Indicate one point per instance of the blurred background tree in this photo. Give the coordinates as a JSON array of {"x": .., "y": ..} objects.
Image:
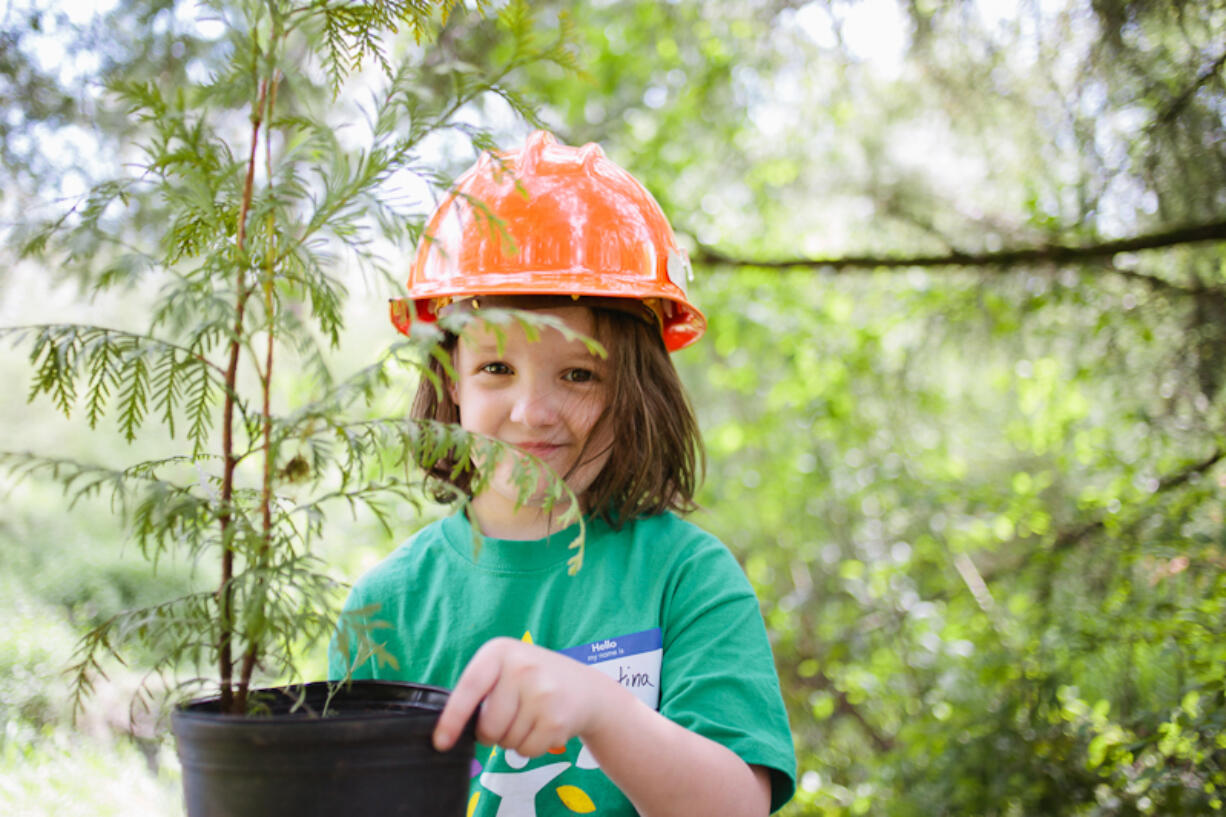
[{"x": 962, "y": 390}]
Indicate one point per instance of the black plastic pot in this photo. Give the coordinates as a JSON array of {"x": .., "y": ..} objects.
[{"x": 371, "y": 754}]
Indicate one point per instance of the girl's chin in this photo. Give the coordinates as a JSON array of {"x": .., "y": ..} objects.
[
  {"x": 506, "y": 485},
  {"x": 502, "y": 515},
  {"x": 502, "y": 495},
  {"x": 539, "y": 500}
]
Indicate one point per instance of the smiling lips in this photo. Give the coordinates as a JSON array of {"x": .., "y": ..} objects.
[{"x": 540, "y": 450}]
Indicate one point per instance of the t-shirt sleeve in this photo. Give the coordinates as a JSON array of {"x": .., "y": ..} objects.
[{"x": 718, "y": 676}]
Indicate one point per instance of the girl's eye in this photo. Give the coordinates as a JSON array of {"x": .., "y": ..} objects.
[
  {"x": 497, "y": 367},
  {"x": 579, "y": 376}
]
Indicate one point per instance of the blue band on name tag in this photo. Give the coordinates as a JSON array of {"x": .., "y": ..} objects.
[{"x": 620, "y": 647}]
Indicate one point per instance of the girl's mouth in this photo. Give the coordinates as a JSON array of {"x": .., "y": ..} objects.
[{"x": 540, "y": 449}]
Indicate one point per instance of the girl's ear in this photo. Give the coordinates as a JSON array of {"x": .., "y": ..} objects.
[{"x": 452, "y": 392}]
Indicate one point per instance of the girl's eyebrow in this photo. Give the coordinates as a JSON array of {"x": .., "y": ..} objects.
[
  {"x": 580, "y": 355},
  {"x": 485, "y": 346}
]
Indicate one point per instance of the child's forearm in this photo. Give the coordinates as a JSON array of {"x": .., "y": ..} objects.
[
  {"x": 668, "y": 771},
  {"x": 532, "y": 698}
]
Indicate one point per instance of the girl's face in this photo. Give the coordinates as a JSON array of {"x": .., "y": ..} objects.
[{"x": 544, "y": 396}]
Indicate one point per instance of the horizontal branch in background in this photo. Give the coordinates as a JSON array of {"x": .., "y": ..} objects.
[
  {"x": 1073, "y": 536},
  {"x": 1069, "y": 537},
  {"x": 1043, "y": 254},
  {"x": 844, "y": 707},
  {"x": 1177, "y": 105}
]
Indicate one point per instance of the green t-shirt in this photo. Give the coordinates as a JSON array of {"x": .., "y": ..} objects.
[{"x": 660, "y": 605}]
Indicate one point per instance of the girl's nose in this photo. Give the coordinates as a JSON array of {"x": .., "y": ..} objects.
[{"x": 536, "y": 405}]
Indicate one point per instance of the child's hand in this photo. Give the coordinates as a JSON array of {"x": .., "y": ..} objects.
[{"x": 534, "y": 699}]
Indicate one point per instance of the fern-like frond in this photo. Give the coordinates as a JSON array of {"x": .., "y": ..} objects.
[
  {"x": 166, "y": 515},
  {"x": 356, "y": 638},
  {"x": 283, "y": 604},
  {"x": 130, "y": 367},
  {"x": 371, "y": 495},
  {"x": 168, "y": 503},
  {"x": 133, "y": 395},
  {"x": 199, "y": 303},
  {"x": 201, "y": 397},
  {"x": 179, "y": 632},
  {"x": 102, "y": 365},
  {"x": 353, "y": 32}
]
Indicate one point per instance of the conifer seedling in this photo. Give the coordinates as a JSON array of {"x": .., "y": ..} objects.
[{"x": 265, "y": 200}]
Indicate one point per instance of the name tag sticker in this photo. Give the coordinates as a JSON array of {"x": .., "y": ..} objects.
[{"x": 632, "y": 660}]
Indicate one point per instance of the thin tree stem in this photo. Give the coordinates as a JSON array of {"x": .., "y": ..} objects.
[
  {"x": 251, "y": 655},
  {"x": 230, "y": 462}
]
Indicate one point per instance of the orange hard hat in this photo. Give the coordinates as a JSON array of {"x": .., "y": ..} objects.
[{"x": 551, "y": 219}]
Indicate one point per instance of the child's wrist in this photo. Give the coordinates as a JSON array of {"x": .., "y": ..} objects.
[{"x": 612, "y": 704}]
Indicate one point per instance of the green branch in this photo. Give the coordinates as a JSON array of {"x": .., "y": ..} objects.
[
  {"x": 1072, "y": 536},
  {"x": 1055, "y": 254}
]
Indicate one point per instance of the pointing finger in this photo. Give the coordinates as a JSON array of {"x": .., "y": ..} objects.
[{"x": 478, "y": 678}]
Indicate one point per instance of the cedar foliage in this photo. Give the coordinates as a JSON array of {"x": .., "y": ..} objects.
[{"x": 262, "y": 202}]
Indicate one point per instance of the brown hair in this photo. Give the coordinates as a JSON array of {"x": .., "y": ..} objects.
[{"x": 658, "y": 459}]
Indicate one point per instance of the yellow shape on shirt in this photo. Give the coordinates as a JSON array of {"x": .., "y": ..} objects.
[
  {"x": 472, "y": 803},
  {"x": 527, "y": 639},
  {"x": 576, "y": 799}
]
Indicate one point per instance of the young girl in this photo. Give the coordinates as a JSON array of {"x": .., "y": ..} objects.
[{"x": 644, "y": 681}]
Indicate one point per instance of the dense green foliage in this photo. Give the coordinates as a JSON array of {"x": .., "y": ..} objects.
[
  {"x": 259, "y": 201},
  {"x": 980, "y": 493}
]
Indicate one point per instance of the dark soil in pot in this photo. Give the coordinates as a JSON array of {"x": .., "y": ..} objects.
[{"x": 370, "y": 754}]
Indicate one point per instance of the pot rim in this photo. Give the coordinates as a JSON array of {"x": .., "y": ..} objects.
[{"x": 426, "y": 697}]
